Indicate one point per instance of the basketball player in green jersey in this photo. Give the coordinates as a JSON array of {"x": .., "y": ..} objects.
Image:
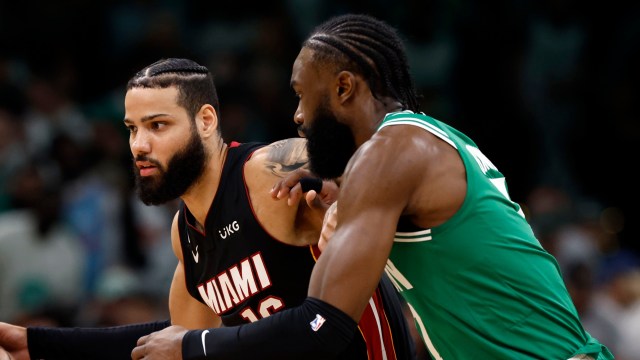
[{"x": 418, "y": 200}]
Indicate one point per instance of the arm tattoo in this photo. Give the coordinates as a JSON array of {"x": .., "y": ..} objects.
[{"x": 285, "y": 156}]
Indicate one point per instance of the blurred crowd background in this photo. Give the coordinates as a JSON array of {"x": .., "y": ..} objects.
[{"x": 548, "y": 89}]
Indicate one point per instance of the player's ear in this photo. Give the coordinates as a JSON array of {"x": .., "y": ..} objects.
[
  {"x": 345, "y": 85},
  {"x": 208, "y": 119}
]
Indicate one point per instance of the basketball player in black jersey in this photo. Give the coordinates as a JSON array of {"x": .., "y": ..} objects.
[{"x": 242, "y": 256}]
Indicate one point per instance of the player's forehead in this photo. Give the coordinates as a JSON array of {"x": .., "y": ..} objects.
[
  {"x": 140, "y": 101},
  {"x": 304, "y": 68},
  {"x": 152, "y": 95}
]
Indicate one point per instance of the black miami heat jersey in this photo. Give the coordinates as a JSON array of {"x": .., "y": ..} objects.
[{"x": 243, "y": 274}]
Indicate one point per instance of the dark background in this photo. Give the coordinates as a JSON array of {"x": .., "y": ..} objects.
[{"x": 548, "y": 89}]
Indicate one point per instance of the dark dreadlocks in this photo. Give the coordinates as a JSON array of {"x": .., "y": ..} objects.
[{"x": 370, "y": 47}]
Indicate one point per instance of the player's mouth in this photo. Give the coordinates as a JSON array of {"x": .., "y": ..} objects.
[
  {"x": 301, "y": 131},
  {"x": 146, "y": 169}
]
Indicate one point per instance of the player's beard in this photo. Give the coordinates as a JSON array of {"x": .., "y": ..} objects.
[
  {"x": 330, "y": 143},
  {"x": 182, "y": 171}
]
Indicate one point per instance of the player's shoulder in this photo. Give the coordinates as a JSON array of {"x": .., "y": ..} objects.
[
  {"x": 392, "y": 143},
  {"x": 280, "y": 157},
  {"x": 400, "y": 148},
  {"x": 284, "y": 146},
  {"x": 406, "y": 133}
]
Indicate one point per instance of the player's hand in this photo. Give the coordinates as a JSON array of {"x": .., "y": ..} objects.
[
  {"x": 165, "y": 344},
  {"x": 13, "y": 342},
  {"x": 319, "y": 195},
  {"x": 328, "y": 225}
]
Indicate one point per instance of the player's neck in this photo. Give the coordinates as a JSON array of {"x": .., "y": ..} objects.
[
  {"x": 368, "y": 117},
  {"x": 201, "y": 194}
]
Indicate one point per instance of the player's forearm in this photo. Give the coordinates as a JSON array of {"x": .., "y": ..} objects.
[
  {"x": 52, "y": 343},
  {"x": 313, "y": 330}
]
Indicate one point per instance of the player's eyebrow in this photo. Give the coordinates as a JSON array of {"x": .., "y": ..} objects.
[{"x": 145, "y": 118}]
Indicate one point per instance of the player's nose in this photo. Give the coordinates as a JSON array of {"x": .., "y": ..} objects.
[
  {"x": 140, "y": 144},
  {"x": 298, "y": 117}
]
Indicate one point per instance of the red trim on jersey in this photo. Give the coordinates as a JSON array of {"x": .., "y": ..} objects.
[
  {"x": 234, "y": 144},
  {"x": 186, "y": 221},
  {"x": 315, "y": 251},
  {"x": 373, "y": 335}
]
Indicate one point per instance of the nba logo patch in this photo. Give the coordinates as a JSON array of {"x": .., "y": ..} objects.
[{"x": 317, "y": 322}]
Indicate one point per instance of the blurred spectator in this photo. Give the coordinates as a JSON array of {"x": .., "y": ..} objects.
[
  {"x": 48, "y": 315},
  {"x": 575, "y": 230},
  {"x": 120, "y": 299},
  {"x": 41, "y": 260},
  {"x": 153, "y": 228},
  {"x": 617, "y": 300},
  {"x": 580, "y": 280},
  {"x": 12, "y": 154},
  {"x": 12, "y": 107},
  {"x": 91, "y": 206},
  {"x": 602, "y": 279},
  {"x": 548, "y": 209},
  {"x": 52, "y": 110}
]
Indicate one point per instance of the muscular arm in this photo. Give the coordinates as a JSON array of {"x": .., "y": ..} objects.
[
  {"x": 297, "y": 224},
  {"x": 399, "y": 172},
  {"x": 285, "y": 156},
  {"x": 375, "y": 193},
  {"x": 376, "y": 190},
  {"x": 290, "y": 157}
]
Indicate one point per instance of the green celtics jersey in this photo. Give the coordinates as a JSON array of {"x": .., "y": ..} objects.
[{"x": 480, "y": 286}]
